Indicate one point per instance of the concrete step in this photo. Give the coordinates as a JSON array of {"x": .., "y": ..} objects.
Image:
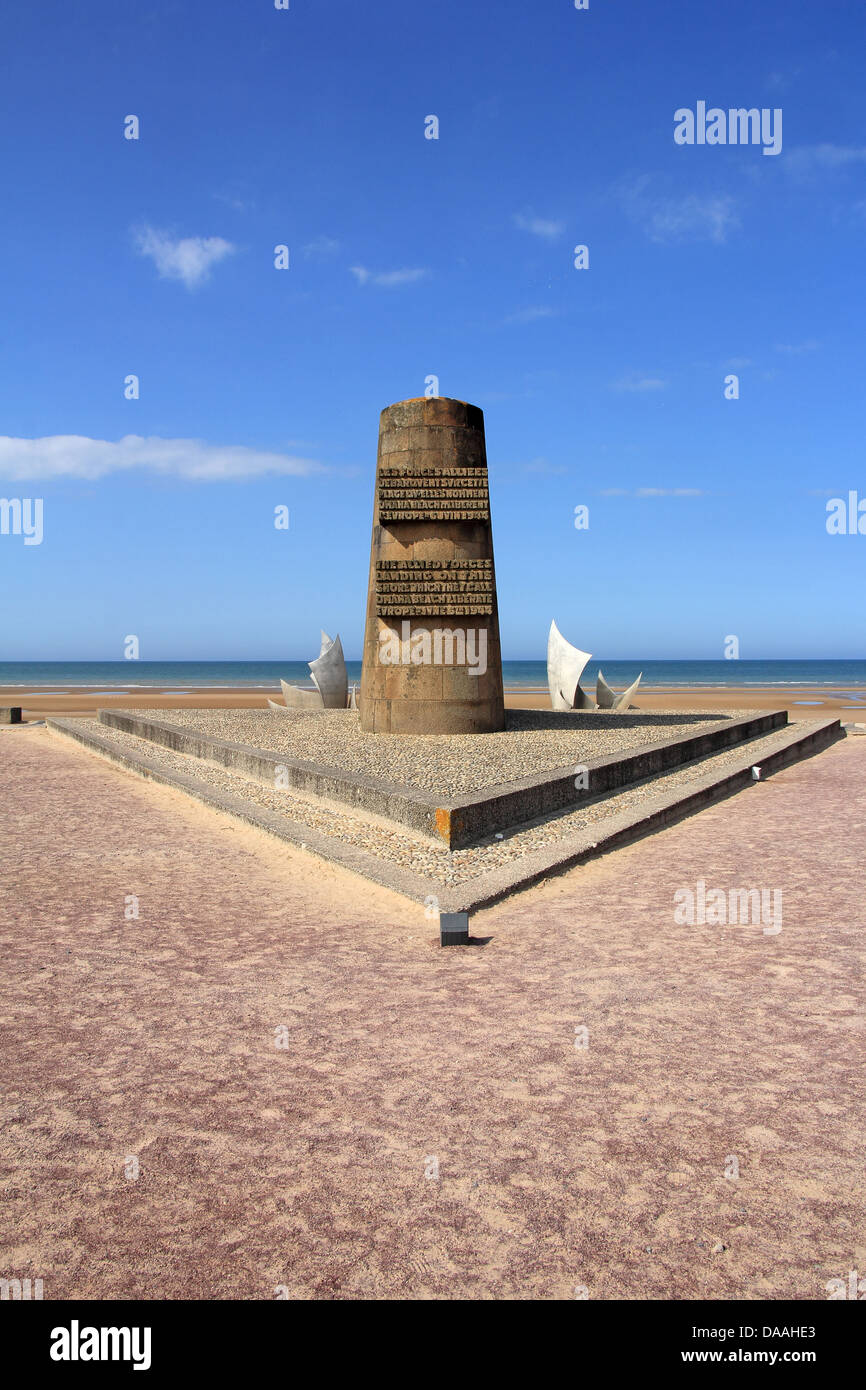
[
  {"x": 508, "y": 859},
  {"x": 658, "y": 802},
  {"x": 467, "y": 819}
]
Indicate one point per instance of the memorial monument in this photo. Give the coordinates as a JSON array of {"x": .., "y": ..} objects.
[{"x": 432, "y": 662}]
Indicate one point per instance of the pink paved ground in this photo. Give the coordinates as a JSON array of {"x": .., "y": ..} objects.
[{"x": 305, "y": 1167}]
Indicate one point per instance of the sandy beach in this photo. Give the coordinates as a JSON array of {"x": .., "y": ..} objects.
[
  {"x": 801, "y": 702},
  {"x": 273, "y": 1078}
]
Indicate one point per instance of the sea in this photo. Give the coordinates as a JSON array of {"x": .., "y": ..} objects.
[{"x": 518, "y": 675}]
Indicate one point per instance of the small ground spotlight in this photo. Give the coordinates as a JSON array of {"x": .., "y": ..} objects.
[{"x": 453, "y": 928}]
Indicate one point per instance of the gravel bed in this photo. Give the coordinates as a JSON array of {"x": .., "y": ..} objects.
[
  {"x": 424, "y": 857},
  {"x": 535, "y": 741}
]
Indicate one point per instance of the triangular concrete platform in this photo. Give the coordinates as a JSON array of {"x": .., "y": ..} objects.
[{"x": 472, "y": 848}]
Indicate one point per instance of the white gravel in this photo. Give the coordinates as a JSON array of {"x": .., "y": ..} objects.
[
  {"x": 399, "y": 846},
  {"x": 449, "y": 765}
]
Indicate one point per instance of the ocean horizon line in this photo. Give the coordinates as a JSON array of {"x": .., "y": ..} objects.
[
  {"x": 507, "y": 660},
  {"x": 525, "y": 674}
]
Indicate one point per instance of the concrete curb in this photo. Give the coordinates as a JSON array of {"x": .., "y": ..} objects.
[
  {"x": 505, "y": 807},
  {"x": 656, "y": 814},
  {"x": 282, "y": 827},
  {"x": 813, "y": 736},
  {"x": 465, "y": 821}
]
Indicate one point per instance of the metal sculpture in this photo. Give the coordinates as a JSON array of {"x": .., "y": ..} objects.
[
  {"x": 329, "y": 677},
  {"x": 565, "y": 666}
]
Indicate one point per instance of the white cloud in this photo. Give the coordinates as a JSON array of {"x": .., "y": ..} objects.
[
  {"x": 669, "y": 492},
  {"x": 388, "y": 278},
  {"x": 653, "y": 492},
  {"x": 810, "y": 159},
  {"x": 530, "y": 315},
  {"x": 541, "y": 465},
  {"x": 636, "y": 382},
  {"x": 321, "y": 246},
  {"x": 679, "y": 219},
  {"x": 77, "y": 456},
  {"x": 794, "y": 349},
  {"x": 234, "y": 201},
  {"x": 781, "y": 81},
  {"x": 695, "y": 217},
  {"x": 188, "y": 258},
  {"x": 539, "y": 226}
]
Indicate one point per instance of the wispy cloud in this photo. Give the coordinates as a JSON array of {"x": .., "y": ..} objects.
[
  {"x": 186, "y": 258},
  {"x": 736, "y": 364},
  {"x": 669, "y": 492},
  {"x": 694, "y": 217},
  {"x": 542, "y": 466},
  {"x": 652, "y": 492},
  {"x": 532, "y": 314},
  {"x": 815, "y": 159},
  {"x": 781, "y": 81},
  {"x": 321, "y": 246},
  {"x": 234, "y": 201},
  {"x": 794, "y": 349},
  {"x": 77, "y": 456},
  {"x": 638, "y": 382},
  {"x": 544, "y": 227},
  {"x": 388, "y": 278}
]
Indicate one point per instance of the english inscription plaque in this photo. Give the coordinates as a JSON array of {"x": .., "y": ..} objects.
[{"x": 433, "y": 588}]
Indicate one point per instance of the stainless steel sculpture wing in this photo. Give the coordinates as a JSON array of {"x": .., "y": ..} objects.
[
  {"x": 608, "y": 699},
  {"x": 329, "y": 673},
  {"x": 565, "y": 665},
  {"x": 604, "y": 696},
  {"x": 582, "y": 700},
  {"x": 296, "y": 697},
  {"x": 623, "y": 701},
  {"x": 329, "y": 677}
]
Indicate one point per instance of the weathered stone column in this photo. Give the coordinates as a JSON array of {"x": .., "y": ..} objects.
[{"x": 432, "y": 661}]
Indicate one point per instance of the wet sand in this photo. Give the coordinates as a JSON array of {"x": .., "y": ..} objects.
[{"x": 801, "y": 702}]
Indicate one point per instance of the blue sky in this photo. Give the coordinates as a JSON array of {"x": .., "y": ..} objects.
[{"x": 410, "y": 257}]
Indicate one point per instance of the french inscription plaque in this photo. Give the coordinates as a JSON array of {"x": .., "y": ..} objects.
[{"x": 433, "y": 494}]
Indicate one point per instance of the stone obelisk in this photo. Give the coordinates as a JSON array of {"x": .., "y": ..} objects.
[{"x": 432, "y": 660}]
